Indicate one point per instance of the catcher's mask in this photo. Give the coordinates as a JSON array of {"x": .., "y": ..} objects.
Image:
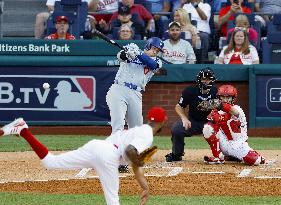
[
  {"x": 227, "y": 93},
  {"x": 204, "y": 74}
]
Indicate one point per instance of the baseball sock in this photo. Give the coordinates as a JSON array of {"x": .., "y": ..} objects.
[{"x": 37, "y": 146}]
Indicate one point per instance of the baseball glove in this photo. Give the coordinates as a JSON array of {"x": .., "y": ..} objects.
[
  {"x": 146, "y": 155},
  {"x": 209, "y": 105}
]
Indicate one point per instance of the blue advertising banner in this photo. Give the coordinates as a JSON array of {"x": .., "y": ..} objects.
[
  {"x": 76, "y": 94},
  {"x": 268, "y": 96}
]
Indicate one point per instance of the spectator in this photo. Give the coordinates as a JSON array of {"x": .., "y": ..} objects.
[
  {"x": 177, "y": 50},
  {"x": 201, "y": 12},
  {"x": 41, "y": 18},
  {"x": 268, "y": 6},
  {"x": 139, "y": 10},
  {"x": 181, "y": 16},
  {"x": 106, "y": 8},
  {"x": 242, "y": 21},
  {"x": 62, "y": 27},
  {"x": 192, "y": 122},
  {"x": 227, "y": 14},
  {"x": 125, "y": 18},
  {"x": 239, "y": 50},
  {"x": 125, "y": 32}
]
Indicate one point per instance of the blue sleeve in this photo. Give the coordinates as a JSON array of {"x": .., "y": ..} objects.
[{"x": 145, "y": 59}]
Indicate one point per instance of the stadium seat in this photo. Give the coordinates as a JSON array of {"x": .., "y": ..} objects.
[
  {"x": 272, "y": 48},
  {"x": 78, "y": 9},
  {"x": 275, "y": 24}
]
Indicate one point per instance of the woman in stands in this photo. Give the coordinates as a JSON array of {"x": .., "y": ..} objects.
[
  {"x": 239, "y": 50},
  {"x": 181, "y": 16},
  {"x": 242, "y": 21},
  {"x": 125, "y": 32}
]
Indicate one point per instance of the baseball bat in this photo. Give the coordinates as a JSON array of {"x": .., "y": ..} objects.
[{"x": 112, "y": 42}]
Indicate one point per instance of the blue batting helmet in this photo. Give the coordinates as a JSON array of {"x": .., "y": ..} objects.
[{"x": 155, "y": 42}]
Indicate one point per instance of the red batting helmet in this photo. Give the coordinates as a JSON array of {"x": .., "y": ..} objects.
[
  {"x": 227, "y": 91},
  {"x": 157, "y": 114}
]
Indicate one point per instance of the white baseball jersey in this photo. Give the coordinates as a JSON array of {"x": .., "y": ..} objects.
[
  {"x": 104, "y": 156},
  {"x": 140, "y": 137},
  {"x": 179, "y": 53},
  {"x": 135, "y": 72},
  {"x": 107, "y": 5}
]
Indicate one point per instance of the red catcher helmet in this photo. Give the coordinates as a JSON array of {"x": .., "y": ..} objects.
[{"x": 227, "y": 91}]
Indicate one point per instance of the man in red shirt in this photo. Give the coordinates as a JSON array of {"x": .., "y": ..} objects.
[
  {"x": 62, "y": 27},
  {"x": 227, "y": 13},
  {"x": 139, "y": 9}
]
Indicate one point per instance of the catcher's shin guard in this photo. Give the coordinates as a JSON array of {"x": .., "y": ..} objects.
[
  {"x": 253, "y": 158},
  {"x": 209, "y": 132}
]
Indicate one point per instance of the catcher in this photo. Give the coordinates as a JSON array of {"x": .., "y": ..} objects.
[
  {"x": 102, "y": 155},
  {"x": 226, "y": 131}
]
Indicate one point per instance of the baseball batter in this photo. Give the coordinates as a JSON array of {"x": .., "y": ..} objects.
[
  {"x": 124, "y": 97},
  {"x": 102, "y": 155},
  {"x": 226, "y": 132}
]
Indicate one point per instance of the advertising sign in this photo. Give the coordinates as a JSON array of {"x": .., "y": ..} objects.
[{"x": 75, "y": 94}]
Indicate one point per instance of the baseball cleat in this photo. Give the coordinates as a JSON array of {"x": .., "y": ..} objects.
[
  {"x": 15, "y": 127},
  {"x": 123, "y": 169},
  {"x": 213, "y": 160}
]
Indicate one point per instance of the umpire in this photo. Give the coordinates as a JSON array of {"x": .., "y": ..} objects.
[{"x": 192, "y": 122}]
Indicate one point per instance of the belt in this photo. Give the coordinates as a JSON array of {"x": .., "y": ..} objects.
[{"x": 129, "y": 85}]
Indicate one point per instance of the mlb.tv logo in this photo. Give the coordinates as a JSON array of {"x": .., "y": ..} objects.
[{"x": 66, "y": 93}]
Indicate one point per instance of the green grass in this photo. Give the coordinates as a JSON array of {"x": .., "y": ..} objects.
[
  {"x": 66, "y": 142},
  {"x": 69, "y": 142},
  {"x": 87, "y": 199}
]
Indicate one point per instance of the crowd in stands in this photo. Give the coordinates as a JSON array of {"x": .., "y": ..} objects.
[{"x": 230, "y": 29}]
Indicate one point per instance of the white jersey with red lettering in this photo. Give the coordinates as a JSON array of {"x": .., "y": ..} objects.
[{"x": 107, "y": 5}]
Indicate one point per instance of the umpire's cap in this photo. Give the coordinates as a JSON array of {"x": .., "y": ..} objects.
[{"x": 157, "y": 114}]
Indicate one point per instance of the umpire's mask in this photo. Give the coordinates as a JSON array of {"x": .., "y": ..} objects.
[{"x": 205, "y": 73}]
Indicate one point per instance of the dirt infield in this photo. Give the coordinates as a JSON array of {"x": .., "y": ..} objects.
[{"x": 22, "y": 172}]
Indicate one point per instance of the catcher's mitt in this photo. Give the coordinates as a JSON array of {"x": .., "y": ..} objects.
[
  {"x": 146, "y": 155},
  {"x": 209, "y": 105}
]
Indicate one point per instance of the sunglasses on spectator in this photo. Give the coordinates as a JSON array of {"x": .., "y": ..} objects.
[
  {"x": 240, "y": 29},
  {"x": 125, "y": 31}
]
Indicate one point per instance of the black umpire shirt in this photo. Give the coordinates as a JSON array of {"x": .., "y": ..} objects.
[{"x": 191, "y": 96}]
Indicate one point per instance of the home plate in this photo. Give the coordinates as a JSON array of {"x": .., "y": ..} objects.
[
  {"x": 244, "y": 173},
  {"x": 175, "y": 171}
]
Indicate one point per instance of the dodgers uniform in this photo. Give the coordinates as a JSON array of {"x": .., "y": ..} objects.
[
  {"x": 124, "y": 97},
  {"x": 104, "y": 156}
]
